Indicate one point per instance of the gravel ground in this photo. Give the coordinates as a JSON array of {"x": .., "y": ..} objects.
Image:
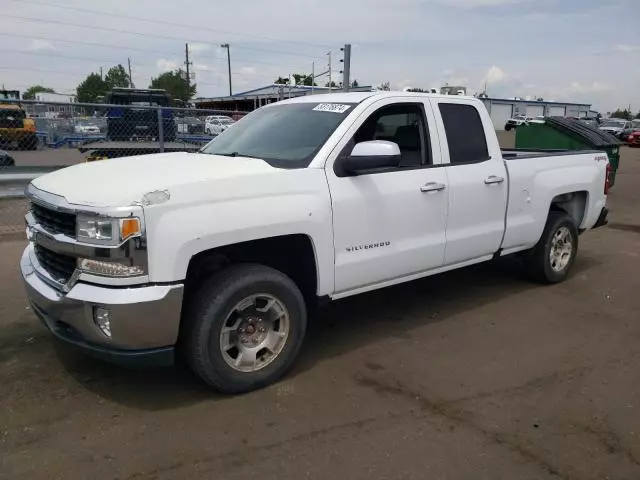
[{"x": 475, "y": 374}]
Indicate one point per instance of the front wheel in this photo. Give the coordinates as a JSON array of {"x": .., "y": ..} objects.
[
  {"x": 244, "y": 328},
  {"x": 552, "y": 258}
]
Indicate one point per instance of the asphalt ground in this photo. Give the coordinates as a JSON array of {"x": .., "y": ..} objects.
[{"x": 474, "y": 374}]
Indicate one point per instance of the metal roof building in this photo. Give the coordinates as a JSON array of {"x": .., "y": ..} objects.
[
  {"x": 502, "y": 109},
  {"x": 252, "y": 99}
]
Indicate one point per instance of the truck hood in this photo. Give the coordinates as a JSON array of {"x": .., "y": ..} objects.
[{"x": 123, "y": 181}]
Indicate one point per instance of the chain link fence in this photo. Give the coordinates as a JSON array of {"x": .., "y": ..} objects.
[{"x": 38, "y": 137}]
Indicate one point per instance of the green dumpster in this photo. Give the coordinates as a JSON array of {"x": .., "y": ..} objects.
[{"x": 558, "y": 133}]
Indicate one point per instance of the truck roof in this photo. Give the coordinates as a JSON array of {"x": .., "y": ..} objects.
[{"x": 357, "y": 97}]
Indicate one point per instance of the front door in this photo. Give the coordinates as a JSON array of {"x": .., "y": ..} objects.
[{"x": 391, "y": 223}]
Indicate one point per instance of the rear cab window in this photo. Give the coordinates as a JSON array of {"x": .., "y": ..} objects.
[{"x": 465, "y": 133}]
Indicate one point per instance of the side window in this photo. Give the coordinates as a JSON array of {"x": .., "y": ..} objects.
[
  {"x": 465, "y": 133},
  {"x": 402, "y": 124}
]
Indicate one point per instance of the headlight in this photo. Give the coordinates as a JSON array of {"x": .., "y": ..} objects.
[
  {"x": 109, "y": 269},
  {"x": 104, "y": 230}
]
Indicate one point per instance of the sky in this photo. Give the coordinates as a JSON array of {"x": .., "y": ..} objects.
[{"x": 563, "y": 50}]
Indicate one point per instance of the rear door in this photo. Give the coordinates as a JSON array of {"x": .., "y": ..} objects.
[{"x": 477, "y": 182}]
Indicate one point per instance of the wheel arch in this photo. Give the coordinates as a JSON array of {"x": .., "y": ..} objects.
[{"x": 292, "y": 254}]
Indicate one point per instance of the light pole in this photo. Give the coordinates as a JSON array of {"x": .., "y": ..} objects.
[{"x": 226, "y": 45}]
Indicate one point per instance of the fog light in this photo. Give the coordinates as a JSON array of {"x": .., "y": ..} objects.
[{"x": 102, "y": 318}]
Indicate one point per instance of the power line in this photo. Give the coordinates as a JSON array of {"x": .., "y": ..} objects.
[
  {"x": 140, "y": 34},
  {"x": 70, "y": 57},
  {"x": 137, "y": 49},
  {"x": 60, "y": 72},
  {"x": 77, "y": 42},
  {"x": 173, "y": 24}
]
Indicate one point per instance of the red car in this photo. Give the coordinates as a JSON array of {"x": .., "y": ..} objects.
[{"x": 634, "y": 138}]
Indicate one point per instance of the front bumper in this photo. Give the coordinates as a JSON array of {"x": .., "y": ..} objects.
[{"x": 144, "y": 320}]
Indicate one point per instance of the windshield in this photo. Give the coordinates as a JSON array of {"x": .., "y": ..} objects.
[
  {"x": 635, "y": 124},
  {"x": 226, "y": 121},
  {"x": 613, "y": 123},
  {"x": 285, "y": 136}
]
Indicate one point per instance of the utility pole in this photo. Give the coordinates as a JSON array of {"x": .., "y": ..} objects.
[
  {"x": 346, "y": 71},
  {"x": 187, "y": 64},
  {"x": 101, "y": 74},
  {"x": 226, "y": 45},
  {"x": 130, "y": 77},
  {"x": 329, "y": 66},
  {"x": 313, "y": 75}
]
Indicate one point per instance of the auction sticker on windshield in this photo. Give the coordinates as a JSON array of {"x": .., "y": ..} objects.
[{"x": 332, "y": 107}]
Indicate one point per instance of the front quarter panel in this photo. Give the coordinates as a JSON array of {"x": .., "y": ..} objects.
[{"x": 216, "y": 213}]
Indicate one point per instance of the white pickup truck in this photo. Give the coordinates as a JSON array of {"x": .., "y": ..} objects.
[{"x": 217, "y": 256}]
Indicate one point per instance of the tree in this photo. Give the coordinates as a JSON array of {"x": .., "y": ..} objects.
[
  {"x": 175, "y": 83},
  {"x": 385, "y": 86},
  {"x": 416, "y": 90},
  {"x": 638, "y": 114},
  {"x": 298, "y": 79},
  {"x": 355, "y": 83},
  {"x": 30, "y": 93},
  {"x": 91, "y": 88},
  {"x": 332, "y": 84},
  {"x": 303, "y": 79},
  {"x": 117, "y": 77},
  {"x": 624, "y": 114}
]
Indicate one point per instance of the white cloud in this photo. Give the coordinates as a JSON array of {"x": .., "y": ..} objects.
[
  {"x": 595, "y": 87},
  {"x": 164, "y": 64},
  {"x": 38, "y": 45},
  {"x": 627, "y": 48},
  {"x": 248, "y": 70},
  {"x": 494, "y": 75},
  {"x": 203, "y": 67},
  {"x": 197, "y": 47},
  {"x": 478, "y": 3}
]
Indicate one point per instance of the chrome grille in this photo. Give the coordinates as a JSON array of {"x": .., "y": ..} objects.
[
  {"x": 54, "y": 221},
  {"x": 58, "y": 265}
]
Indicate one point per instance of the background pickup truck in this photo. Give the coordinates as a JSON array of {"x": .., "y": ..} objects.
[{"x": 218, "y": 255}]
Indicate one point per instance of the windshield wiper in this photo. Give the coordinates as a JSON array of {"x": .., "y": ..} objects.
[{"x": 234, "y": 154}]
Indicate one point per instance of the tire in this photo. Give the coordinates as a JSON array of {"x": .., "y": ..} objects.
[
  {"x": 215, "y": 306},
  {"x": 538, "y": 261}
]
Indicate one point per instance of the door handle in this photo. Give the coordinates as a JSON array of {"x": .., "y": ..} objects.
[
  {"x": 432, "y": 187},
  {"x": 491, "y": 179}
]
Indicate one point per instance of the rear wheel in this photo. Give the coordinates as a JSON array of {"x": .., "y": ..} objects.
[
  {"x": 244, "y": 328},
  {"x": 552, "y": 258}
]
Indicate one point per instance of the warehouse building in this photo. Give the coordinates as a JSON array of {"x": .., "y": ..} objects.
[
  {"x": 502, "y": 109},
  {"x": 256, "y": 98}
]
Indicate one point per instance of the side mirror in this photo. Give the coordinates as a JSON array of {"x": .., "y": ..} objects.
[{"x": 372, "y": 155}]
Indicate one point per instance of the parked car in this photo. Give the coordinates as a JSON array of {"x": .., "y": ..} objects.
[
  {"x": 306, "y": 200},
  {"x": 634, "y": 138},
  {"x": 634, "y": 127},
  {"x": 592, "y": 122},
  {"x": 6, "y": 160},
  {"x": 189, "y": 125},
  {"x": 615, "y": 126},
  {"x": 521, "y": 120},
  {"x": 86, "y": 128},
  {"x": 216, "y": 124}
]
